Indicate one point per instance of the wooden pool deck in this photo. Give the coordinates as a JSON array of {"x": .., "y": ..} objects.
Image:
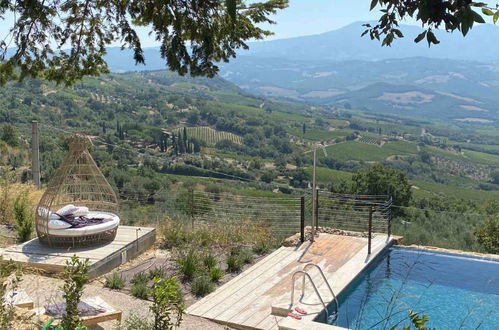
[
  {"x": 129, "y": 243},
  {"x": 247, "y": 301}
]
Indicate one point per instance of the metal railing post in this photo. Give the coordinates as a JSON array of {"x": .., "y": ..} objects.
[
  {"x": 317, "y": 209},
  {"x": 302, "y": 220},
  {"x": 389, "y": 229},
  {"x": 191, "y": 197},
  {"x": 370, "y": 230},
  {"x": 35, "y": 154}
]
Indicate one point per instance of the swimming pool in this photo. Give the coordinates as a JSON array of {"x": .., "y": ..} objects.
[{"x": 455, "y": 291}]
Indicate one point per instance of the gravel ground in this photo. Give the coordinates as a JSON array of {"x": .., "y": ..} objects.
[{"x": 45, "y": 290}]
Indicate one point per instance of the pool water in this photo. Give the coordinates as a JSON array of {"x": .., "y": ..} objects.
[{"x": 454, "y": 291}]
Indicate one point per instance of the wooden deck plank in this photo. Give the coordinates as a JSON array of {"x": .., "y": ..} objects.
[
  {"x": 212, "y": 300},
  {"x": 330, "y": 256},
  {"x": 199, "y": 308},
  {"x": 282, "y": 283},
  {"x": 102, "y": 258},
  {"x": 250, "y": 290},
  {"x": 246, "y": 300}
]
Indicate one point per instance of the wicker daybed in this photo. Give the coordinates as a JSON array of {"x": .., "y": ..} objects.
[{"x": 77, "y": 182}]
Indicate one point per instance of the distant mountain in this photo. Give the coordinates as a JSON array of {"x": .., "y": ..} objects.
[
  {"x": 345, "y": 44},
  {"x": 340, "y": 66},
  {"x": 445, "y": 89},
  {"x": 415, "y": 101}
]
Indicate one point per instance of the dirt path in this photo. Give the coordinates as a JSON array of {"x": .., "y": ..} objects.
[{"x": 45, "y": 290}]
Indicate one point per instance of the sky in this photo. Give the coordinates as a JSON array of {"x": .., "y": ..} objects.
[
  {"x": 302, "y": 17},
  {"x": 305, "y": 17}
]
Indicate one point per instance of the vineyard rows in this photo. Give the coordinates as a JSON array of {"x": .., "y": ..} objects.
[
  {"x": 209, "y": 135},
  {"x": 370, "y": 140}
]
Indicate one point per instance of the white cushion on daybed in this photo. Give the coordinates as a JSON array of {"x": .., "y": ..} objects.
[
  {"x": 58, "y": 224},
  {"x": 89, "y": 230}
]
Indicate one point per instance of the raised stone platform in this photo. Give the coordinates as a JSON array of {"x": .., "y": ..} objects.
[{"x": 129, "y": 243}]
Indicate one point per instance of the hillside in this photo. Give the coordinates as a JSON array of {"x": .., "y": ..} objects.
[
  {"x": 344, "y": 44},
  {"x": 415, "y": 87},
  {"x": 240, "y": 143}
]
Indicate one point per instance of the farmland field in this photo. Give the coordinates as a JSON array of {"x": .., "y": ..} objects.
[
  {"x": 481, "y": 158},
  {"x": 209, "y": 135},
  {"x": 320, "y": 135},
  {"x": 328, "y": 176},
  {"x": 353, "y": 150}
]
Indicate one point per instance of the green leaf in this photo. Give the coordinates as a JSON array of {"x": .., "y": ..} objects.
[
  {"x": 465, "y": 27},
  {"x": 487, "y": 11},
  {"x": 420, "y": 37},
  {"x": 430, "y": 37},
  {"x": 232, "y": 9},
  {"x": 477, "y": 17},
  {"x": 374, "y": 3},
  {"x": 398, "y": 33},
  {"x": 496, "y": 17}
]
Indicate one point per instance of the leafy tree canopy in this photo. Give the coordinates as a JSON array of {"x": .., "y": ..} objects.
[
  {"x": 487, "y": 235},
  {"x": 449, "y": 15},
  {"x": 64, "y": 41},
  {"x": 381, "y": 180}
]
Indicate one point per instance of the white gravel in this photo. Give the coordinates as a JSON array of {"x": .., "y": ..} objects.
[{"x": 45, "y": 290}]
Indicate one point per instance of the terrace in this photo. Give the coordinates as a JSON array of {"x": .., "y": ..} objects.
[{"x": 259, "y": 297}]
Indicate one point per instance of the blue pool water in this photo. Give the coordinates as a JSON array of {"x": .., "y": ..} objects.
[{"x": 456, "y": 292}]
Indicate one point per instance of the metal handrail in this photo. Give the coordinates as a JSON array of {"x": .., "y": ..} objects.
[
  {"x": 325, "y": 280},
  {"x": 303, "y": 288}
]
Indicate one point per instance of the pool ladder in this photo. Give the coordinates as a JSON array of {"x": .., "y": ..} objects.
[{"x": 305, "y": 274}]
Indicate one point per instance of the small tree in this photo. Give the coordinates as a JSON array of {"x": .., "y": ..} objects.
[
  {"x": 15, "y": 160},
  {"x": 9, "y": 135},
  {"x": 487, "y": 235},
  {"x": 168, "y": 306},
  {"x": 494, "y": 177},
  {"x": 7, "y": 310},
  {"x": 23, "y": 217},
  {"x": 75, "y": 276},
  {"x": 381, "y": 180}
]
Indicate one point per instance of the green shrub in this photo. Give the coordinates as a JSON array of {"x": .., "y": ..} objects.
[
  {"x": 175, "y": 235},
  {"x": 246, "y": 256},
  {"x": 140, "y": 290},
  {"x": 156, "y": 272},
  {"x": 115, "y": 282},
  {"x": 167, "y": 300},
  {"x": 75, "y": 276},
  {"x": 7, "y": 283},
  {"x": 235, "y": 250},
  {"x": 140, "y": 278},
  {"x": 261, "y": 247},
  {"x": 24, "y": 223},
  {"x": 204, "y": 237},
  {"x": 234, "y": 263},
  {"x": 202, "y": 285},
  {"x": 189, "y": 264},
  {"x": 216, "y": 274},
  {"x": 209, "y": 260},
  {"x": 487, "y": 235},
  {"x": 135, "y": 322}
]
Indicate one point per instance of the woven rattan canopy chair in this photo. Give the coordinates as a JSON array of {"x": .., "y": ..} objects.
[{"x": 77, "y": 181}]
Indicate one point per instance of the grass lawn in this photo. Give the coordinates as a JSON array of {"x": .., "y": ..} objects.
[
  {"x": 320, "y": 135},
  {"x": 428, "y": 189},
  {"x": 327, "y": 176},
  {"x": 353, "y": 150},
  {"x": 481, "y": 157}
]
